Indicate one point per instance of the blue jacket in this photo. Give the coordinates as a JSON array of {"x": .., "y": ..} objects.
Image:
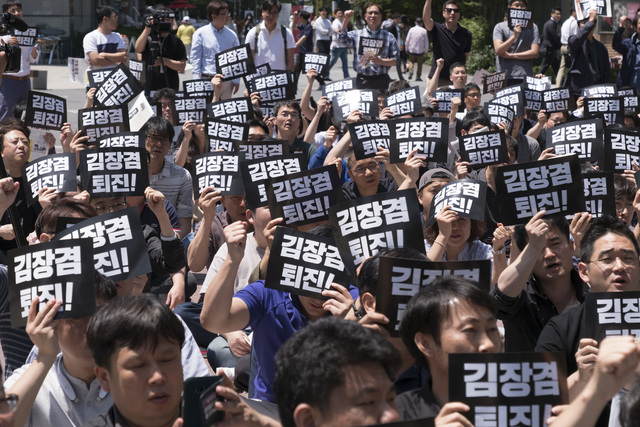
[
  {"x": 628, "y": 48},
  {"x": 582, "y": 72}
]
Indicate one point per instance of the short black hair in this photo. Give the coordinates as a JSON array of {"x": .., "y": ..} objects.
[
  {"x": 623, "y": 188},
  {"x": 253, "y": 123},
  {"x": 430, "y": 308},
  {"x": 457, "y": 65},
  {"x": 10, "y": 124},
  {"x": 556, "y": 9},
  {"x": 215, "y": 7},
  {"x": 159, "y": 125},
  {"x": 322, "y": 9},
  {"x": 474, "y": 117},
  {"x": 304, "y": 15},
  {"x": 132, "y": 322},
  {"x": 268, "y": 5},
  {"x": 599, "y": 227},
  {"x": 104, "y": 12},
  {"x": 7, "y": 5},
  {"x": 66, "y": 207},
  {"x": 367, "y": 279},
  {"x": 105, "y": 289},
  {"x": 521, "y": 237},
  {"x": 313, "y": 362},
  {"x": 398, "y": 85}
]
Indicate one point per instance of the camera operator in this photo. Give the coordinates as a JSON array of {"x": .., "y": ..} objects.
[
  {"x": 163, "y": 50},
  {"x": 15, "y": 86}
]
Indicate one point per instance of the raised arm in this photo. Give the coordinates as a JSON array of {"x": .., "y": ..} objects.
[{"x": 426, "y": 15}]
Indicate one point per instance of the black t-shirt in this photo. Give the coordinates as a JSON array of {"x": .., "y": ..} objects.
[
  {"x": 450, "y": 46},
  {"x": 172, "y": 48}
]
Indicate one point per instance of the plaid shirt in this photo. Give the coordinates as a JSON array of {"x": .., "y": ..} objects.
[{"x": 390, "y": 49}]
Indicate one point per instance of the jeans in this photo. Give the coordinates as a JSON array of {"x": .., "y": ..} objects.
[{"x": 340, "y": 52}]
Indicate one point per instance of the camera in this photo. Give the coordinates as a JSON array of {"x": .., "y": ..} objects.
[
  {"x": 159, "y": 20},
  {"x": 14, "y": 55}
]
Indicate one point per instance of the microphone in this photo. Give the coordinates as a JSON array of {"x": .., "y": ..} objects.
[{"x": 14, "y": 21}]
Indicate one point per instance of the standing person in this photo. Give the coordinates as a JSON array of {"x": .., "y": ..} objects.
[
  {"x": 272, "y": 44},
  {"x": 103, "y": 47},
  {"x": 451, "y": 41},
  {"x": 210, "y": 40},
  {"x": 569, "y": 28},
  {"x": 629, "y": 49},
  {"x": 338, "y": 48},
  {"x": 16, "y": 86},
  {"x": 185, "y": 34},
  {"x": 551, "y": 42},
  {"x": 324, "y": 30},
  {"x": 304, "y": 43},
  {"x": 416, "y": 45},
  {"x": 373, "y": 73},
  {"x": 515, "y": 48}
]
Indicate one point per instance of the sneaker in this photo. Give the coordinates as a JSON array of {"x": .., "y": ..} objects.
[
  {"x": 418, "y": 79},
  {"x": 410, "y": 76}
]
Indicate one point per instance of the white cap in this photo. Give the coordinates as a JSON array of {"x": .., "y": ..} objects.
[{"x": 186, "y": 19}]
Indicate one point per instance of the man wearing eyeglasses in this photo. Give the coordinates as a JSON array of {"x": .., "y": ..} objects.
[
  {"x": 210, "y": 40},
  {"x": 365, "y": 177},
  {"x": 271, "y": 43},
  {"x": 451, "y": 41}
]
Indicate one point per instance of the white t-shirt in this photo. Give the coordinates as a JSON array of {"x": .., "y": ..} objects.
[
  {"x": 95, "y": 41},
  {"x": 270, "y": 46}
]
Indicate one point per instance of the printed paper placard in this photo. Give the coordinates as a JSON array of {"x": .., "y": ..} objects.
[
  {"x": 96, "y": 122},
  {"x": 558, "y": 100},
  {"x": 404, "y": 102},
  {"x": 273, "y": 87},
  {"x": 430, "y": 135},
  {"x": 266, "y": 108},
  {"x": 366, "y": 137},
  {"x": 55, "y": 171},
  {"x": 363, "y": 100},
  {"x": 198, "y": 87},
  {"x": 191, "y": 109},
  {"x": 399, "y": 279},
  {"x": 77, "y": 68},
  {"x": 26, "y": 39},
  {"x": 499, "y": 113},
  {"x": 119, "y": 88},
  {"x": 623, "y": 149},
  {"x": 304, "y": 264},
  {"x": 583, "y": 7},
  {"x": 256, "y": 172},
  {"x": 494, "y": 82},
  {"x": 123, "y": 140},
  {"x": 140, "y": 112},
  {"x": 97, "y": 77},
  {"x": 533, "y": 100},
  {"x": 612, "y": 313},
  {"x": 508, "y": 389},
  {"x": 316, "y": 61},
  {"x": 599, "y": 194},
  {"x": 45, "y": 111},
  {"x": 513, "y": 97},
  {"x": 220, "y": 170},
  {"x": 484, "y": 149},
  {"x": 237, "y": 110},
  {"x": 363, "y": 226},
  {"x": 332, "y": 89},
  {"x": 114, "y": 172},
  {"x": 370, "y": 47},
  {"x": 611, "y": 109},
  {"x": 261, "y": 70},
  {"x": 304, "y": 197},
  {"x": 467, "y": 197},
  {"x": 119, "y": 248},
  {"x": 554, "y": 185},
  {"x": 221, "y": 135},
  {"x": 541, "y": 84},
  {"x": 261, "y": 149},
  {"x": 444, "y": 97},
  {"x": 235, "y": 62},
  {"x": 137, "y": 70},
  {"x": 582, "y": 137},
  {"x": 600, "y": 91},
  {"x": 520, "y": 17},
  {"x": 630, "y": 97},
  {"x": 52, "y": 270}
]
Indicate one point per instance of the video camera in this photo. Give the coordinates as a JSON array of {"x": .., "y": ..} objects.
[
  {"x": 159, "y": 20},
  {"x": 14, "y": 55}
]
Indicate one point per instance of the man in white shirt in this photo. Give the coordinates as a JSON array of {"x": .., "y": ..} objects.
[
  {"x": 271, "y": 43},
  {"x": 323, "y": 31},
  {"x": 416, "y": 45},
  {"x": 569, "y": 28},
  {"x": 338, "y": 48},
  {"x": 103, "y": 47}
]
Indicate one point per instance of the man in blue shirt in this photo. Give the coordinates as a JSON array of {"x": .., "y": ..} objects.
[{"x": 304, "y": 43}]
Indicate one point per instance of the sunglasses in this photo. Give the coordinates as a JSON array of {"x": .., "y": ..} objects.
[{"x": 451, "y": 10}]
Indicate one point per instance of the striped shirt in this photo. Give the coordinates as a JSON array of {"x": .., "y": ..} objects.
[{"x": 389, "y": 50}]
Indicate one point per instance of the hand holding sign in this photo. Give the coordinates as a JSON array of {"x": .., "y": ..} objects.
[
  {"x": 8, "y": 192},
  {"x": 235, "y": 235},
  {"x": 340, "y": 301},
  {"x": 586, "y": 357},
  {"x": 537, "y": 229},
  {"x": 450, "y": 414},
  {"x": 41, "y": 327}
]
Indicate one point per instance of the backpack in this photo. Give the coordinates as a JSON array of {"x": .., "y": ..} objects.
[{"x": 283, "y": 29}]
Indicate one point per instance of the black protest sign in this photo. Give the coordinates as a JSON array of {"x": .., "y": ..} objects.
[
  {"x": 499, "y": 113},
  {"x": 541, "y": 84},
  {"x": 627, "y": 91},
  {"x": 267, "y": 109},
  {"x": 198, "y": 87},
  {"x": 363, "y": 226},
  {"x": 316, "y": 61},
  {"x": 137, "y": 70},
  {"x": 366, "y": 137},
  {"x": 304, "y": 197},
  {"x": 256, "y": 172},
  {"x": 467, "y": 197},
  {"x": 532, "y": 99},
  {"x": 234, "y": 110},
  {"x": 114, "y": 172},
  {"x": 45, "y": 111},
  {"x": 526, "y": 188},
  {"x": 123, "y": 140},
  {"x": 599, "y": 194},
  {"x": 558, "y": 100},
  {"x": 332, "y": 89},
  {"x": 261, "y": 149},
  {"x": 119, "y": 88},
  {"x": 363, "y": 100},
  {"x": 261, "y": 70},
  {"x": 404, "y": 102},
  {"x": 221, "y": 135},
  {"x": 273, "y": 87},
  {"x": 55, "y": 171},
  {"x": 483, "y": 149},
  {"x": 623, "y": 149},
  {"x": 520, "y": 17},
  {"x": 583, "y": 7},
  {"x": 26, "y": 39},
  {"x": 508, "y": 389},
  {"x": 52, "y": 270},
  {"x": 191, "y": 109},
  {"x": 399, "y": 279},
  {"x": 96, "y": 122},
  {"x": 631, "y": 102},
  {"x": 370, "y": 47},
  {"x": 220, "y": 170},
  {"x": 97, "y": 77},
  {"x": 512, "y": 96},
  {"x": 494, "y": 82},
  {"x": 611, "y": 109},
  {"x": 613, "y": 313},
  {"x": 304, "y": 264},
  {"x": 444, "y": 97},
  {"x": 119, "y": 248},
  {"x": 582, "y": 137},
  {"x": 428, "y": 135},
  {"x": 235, "y": 62},
  {"x": 600, "y": 91}
]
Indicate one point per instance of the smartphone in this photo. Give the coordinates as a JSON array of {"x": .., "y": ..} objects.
[{"x": 198, "y": 402}]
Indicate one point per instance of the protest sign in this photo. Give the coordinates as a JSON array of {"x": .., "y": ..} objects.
[
  {"x": 118, "y": 88},
  {"x": 96, "y": 122},
  {"x": 45, "y": 111},
  {"x": 123, "y": 140},
  {"x": 256, "y": 172},
  {"x": 55, "y": 171},
  {"x": 611, "y": 109},
  {"x": 221, "y": 135},
  {"x": 520, "y": 17},
  {"x": 261, "y": 149},
  {"x": 367, "y": 136},
  {"x": 444, "y": 97},
  {"x": 191, "y": 109},
  {"x": 430, "y": 136},
  {"x": 97, "y": 77},
  {"x": 114, "y": 172},
  {"x": 316, "y": 61},
  {"x": 623, "y": 149},
  {"x": 494, "y": 82},
  {"x": 599, "y": 194},
  {"x": 582, "y": 137},
  {"x": 499, "y": 113},
  {"x": 404, "y": 102},
  {"x": 482, "y": 149},
  {"x": 234, "y": 110},
  {"x": 600, "y": 91},
  {"x": 613, "y": 313},
  {"x": 235, "y": 62},
  {"x": 221, "y": 170},
  {"x": 137, "y": 70},
  {"x": 273, "y": 87},
  {"x": 583, "y": 7},
  {"x": 198, "y": 87},
  {"x": 363, "y": 100},
  {"x": 558, "y": 100},
  {"x": 467, "y": 197},
  {"x": 332, "y": 89}
]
